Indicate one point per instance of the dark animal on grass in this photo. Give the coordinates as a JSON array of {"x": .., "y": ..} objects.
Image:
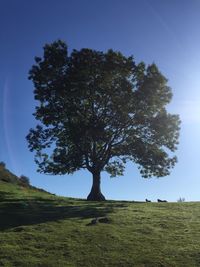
[
  {"x": 99, "y": 220},
  {"x": 147, "y": 200},
  {"x": 104, "y": 220},
  {"x": 94, "y": 221},
  {"x": 160, "y": 200}
]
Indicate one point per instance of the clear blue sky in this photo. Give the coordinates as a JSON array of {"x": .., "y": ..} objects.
[{"x": 166, "y": 32}]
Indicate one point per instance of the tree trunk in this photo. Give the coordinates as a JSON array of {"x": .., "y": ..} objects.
[{"x": 95, "y": 193}]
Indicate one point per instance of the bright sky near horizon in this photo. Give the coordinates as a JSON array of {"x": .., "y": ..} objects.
[{"x": 166, "y": 32}]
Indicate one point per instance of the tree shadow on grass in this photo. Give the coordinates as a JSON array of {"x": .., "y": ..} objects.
[{"x": 27, "y": 211}]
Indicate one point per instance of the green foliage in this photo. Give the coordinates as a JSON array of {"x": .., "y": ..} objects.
[
  {"x": 99, "y": 110},
  {"x": 38, "y": 229},
  {"x": 24, "y": 180},
  {"x": 7, "y": 176},
  {"x": 2, "y": 164}
]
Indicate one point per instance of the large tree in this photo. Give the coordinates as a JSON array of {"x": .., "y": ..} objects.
[{"x": 99, "y": 110}]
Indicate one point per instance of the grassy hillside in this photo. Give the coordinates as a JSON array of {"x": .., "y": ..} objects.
[
  {"x": 40, "y": 229},
  {"x": 7, "y": 176}
]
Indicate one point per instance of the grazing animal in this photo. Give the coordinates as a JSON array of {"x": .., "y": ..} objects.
[
  {"x": 99, "y": 220},
  {"x": 147, "y": 200},
  {"x": 159, "y": 200},
  {"x": 94, "y": 221},
  {"x": 104, "y": 220}
]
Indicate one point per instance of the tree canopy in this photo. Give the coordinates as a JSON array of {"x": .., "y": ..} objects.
[{"x": 99, "y": 110}]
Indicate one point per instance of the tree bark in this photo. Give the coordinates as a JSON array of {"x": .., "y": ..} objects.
[{"x": 95, "y": 193}]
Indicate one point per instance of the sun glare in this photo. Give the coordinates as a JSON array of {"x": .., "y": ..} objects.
[{"x": 190, "y": 111}]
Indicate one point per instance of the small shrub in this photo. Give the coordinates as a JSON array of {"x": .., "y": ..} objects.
[
  {"x": 24, "y": 180},
  {"x": 181, "y": 199},
  {"x": 2, "y": 164}
]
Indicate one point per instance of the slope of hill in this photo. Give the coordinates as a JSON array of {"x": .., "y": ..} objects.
[
  {"x": 40, "y": 229},
  {"x": 7, "y": 176}
]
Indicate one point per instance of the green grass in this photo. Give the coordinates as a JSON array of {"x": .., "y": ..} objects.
[{"x": 40, "y": 229}]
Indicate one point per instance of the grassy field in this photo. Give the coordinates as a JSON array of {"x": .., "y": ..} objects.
[{"x": 40, "y": 229}]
